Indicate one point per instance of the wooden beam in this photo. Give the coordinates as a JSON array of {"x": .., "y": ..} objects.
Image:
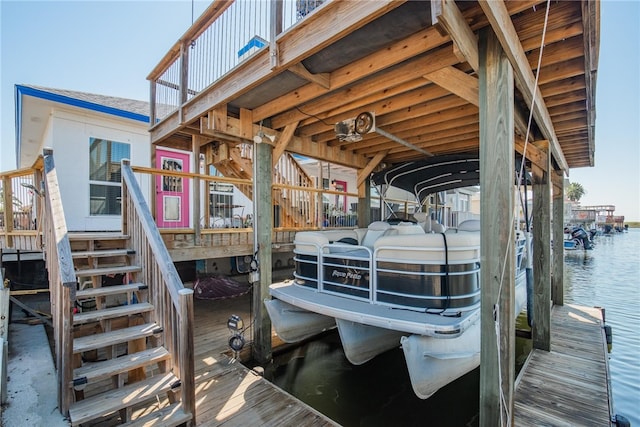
[
  {"x": 246, "y": 124},
  {"x": 541, "y": 332},
  {"x": 397, "y": 53},
  {"x": 457, "y": 82},
  {"x": 536, "y": 156},
  {"x": 263, "y": 227},
  {"x": 446, "y": 16},
  {"x": 497, "y": 275},
  {"x": 331, "y": 22},
  {"x": 363, "y": 174},
  {"x": 307, "y": 147},
  {"x": 500, "y": 21},
  {"x": 217, "y": 118},
  {"x": 359, "y": 94},
  {"x": 321, "y": 79},
  {"x": 282, "y": 141}
]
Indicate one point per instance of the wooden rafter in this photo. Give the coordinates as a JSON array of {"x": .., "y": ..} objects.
[
  {"x": 500, "y": 21},
  {"x": 448, "y": 19}
]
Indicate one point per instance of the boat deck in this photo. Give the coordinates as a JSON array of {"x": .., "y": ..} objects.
[{"x": 568, "y": 386}]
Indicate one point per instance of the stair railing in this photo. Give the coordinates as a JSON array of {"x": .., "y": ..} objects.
[
  {"x": 62, "y": 281},
  {"x": 172, "y": 301}
]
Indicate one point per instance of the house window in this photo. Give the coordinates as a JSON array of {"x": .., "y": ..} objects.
[{"x": 105, "y": 174}]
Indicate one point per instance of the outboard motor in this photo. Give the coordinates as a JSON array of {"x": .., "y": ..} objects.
[{"x": 578, "y": 233}]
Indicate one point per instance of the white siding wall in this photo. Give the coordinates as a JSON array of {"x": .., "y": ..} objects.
[{"x": 69, "y": 139}]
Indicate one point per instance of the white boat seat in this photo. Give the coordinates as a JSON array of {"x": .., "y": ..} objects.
[
  {"x": 408, "y": 228},
  {"x": 375, "y": 230},
  {"x": 310, "y": 241},
  {"x": 461, "y": 246},
  {"x": 469, "y": 225},
  {"x": 436, "y": 227}
]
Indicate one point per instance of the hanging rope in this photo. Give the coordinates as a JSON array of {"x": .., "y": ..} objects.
[{"x": 505, "y": 414}]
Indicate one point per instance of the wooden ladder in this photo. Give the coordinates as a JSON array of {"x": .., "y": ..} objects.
[{"x": 121, "y": 363}]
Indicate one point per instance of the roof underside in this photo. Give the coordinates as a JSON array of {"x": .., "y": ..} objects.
[{"x": 404, "y": 70}]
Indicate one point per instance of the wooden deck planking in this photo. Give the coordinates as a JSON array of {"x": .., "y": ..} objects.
[
  {"x": 568, "y": 386},
  {"x": 229, "y": 394}
]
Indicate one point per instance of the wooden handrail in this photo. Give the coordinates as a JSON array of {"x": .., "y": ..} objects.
[
  {"x": 172, "y": 301},
  {"x": 62, "y": 280}
]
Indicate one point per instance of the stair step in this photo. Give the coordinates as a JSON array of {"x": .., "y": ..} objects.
[
  {"x": 102, "y": 253},
  {"x": 120, "y": 398},
  {"x": 108, "y": 270},
  {"x": 110, "y": 313},
  {"x": 109, "y": 290},
  {"x": 97, "y": 371},
  {"x": 93, "y": 342},
  {"x": 97, "y": 236},
  {"x": 169, "y": 416}
]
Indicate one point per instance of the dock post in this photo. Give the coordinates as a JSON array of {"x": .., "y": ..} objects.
[
  {"x": 262, "y": 230},
  {"x": 557, "y": 282},
  {"x": 540, "y": 332},
  {"x": 497, "y": 165}
]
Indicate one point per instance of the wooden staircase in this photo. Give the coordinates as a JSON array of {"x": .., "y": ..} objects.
[
  {"x": 121, "y": 362},
  {"x": 122, "y": 319},
  {"x": 234, "y": 162}
]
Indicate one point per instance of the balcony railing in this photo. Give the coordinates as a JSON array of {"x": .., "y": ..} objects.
[
  {"x": 226, "y": 34},
  {"x": 20, "y": 208}
]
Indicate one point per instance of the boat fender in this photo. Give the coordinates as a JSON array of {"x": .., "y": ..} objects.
[
  {"x": 236, "y": 342},
  {"x": 621, "y": 421}
]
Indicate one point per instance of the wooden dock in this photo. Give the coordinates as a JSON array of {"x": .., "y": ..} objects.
[
  {"x": 569, "y": 385},
  {"x": 227, "y": 393}
]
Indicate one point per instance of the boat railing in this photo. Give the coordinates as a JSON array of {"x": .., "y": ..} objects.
[{"x": 416, "y": 278}]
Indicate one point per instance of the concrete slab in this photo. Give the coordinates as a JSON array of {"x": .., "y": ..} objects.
[{"x": 31, "y": 386}]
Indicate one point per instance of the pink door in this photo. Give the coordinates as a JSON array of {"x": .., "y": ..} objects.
[{"x": 172, "y": 201}]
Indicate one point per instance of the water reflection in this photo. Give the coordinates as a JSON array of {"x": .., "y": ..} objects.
[{"x": 377, "y": 393}]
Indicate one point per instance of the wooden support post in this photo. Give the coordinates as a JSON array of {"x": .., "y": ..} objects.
[
  {"x": 557, "y": 275},
  {"x": 262, "y": 230},
  {"x": 364, "y": 204},
  {"x": 186, "y": 352},
  {"x": 196, "y": 213},
  {"x": 184, "y": 78},
  {"x": 8, "y": 210},
  {"x": 497, "y": 353},
  {"x": 541, "y": 333}
]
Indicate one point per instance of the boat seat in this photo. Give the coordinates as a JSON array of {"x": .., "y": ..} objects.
[
  {"x": 375, "y": 230},
  {"x": 468, "y": 225},
  {"x": 436, "y": 227},
  {"x": 461, "y": 246},
  {"x": 408, "y": 228},
  {"x": 423, "y": 221},
  {"x": 310, "y": 241}
]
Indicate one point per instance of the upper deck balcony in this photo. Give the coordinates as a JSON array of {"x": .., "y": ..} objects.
[{"x": 296, "y": 68}]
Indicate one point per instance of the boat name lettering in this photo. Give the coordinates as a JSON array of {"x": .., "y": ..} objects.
[{"x": 348, "y": 274}]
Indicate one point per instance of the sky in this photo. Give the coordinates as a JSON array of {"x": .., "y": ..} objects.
[{"x": 109, "y": 47}]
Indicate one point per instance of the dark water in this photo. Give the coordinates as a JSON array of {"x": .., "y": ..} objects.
[{"x": 379, "y": 392}]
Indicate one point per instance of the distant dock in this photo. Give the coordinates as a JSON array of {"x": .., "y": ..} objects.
[{"x": 568, "y": 385}]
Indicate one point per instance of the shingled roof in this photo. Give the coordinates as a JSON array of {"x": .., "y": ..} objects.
[{"x": 138, "y": 108}]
